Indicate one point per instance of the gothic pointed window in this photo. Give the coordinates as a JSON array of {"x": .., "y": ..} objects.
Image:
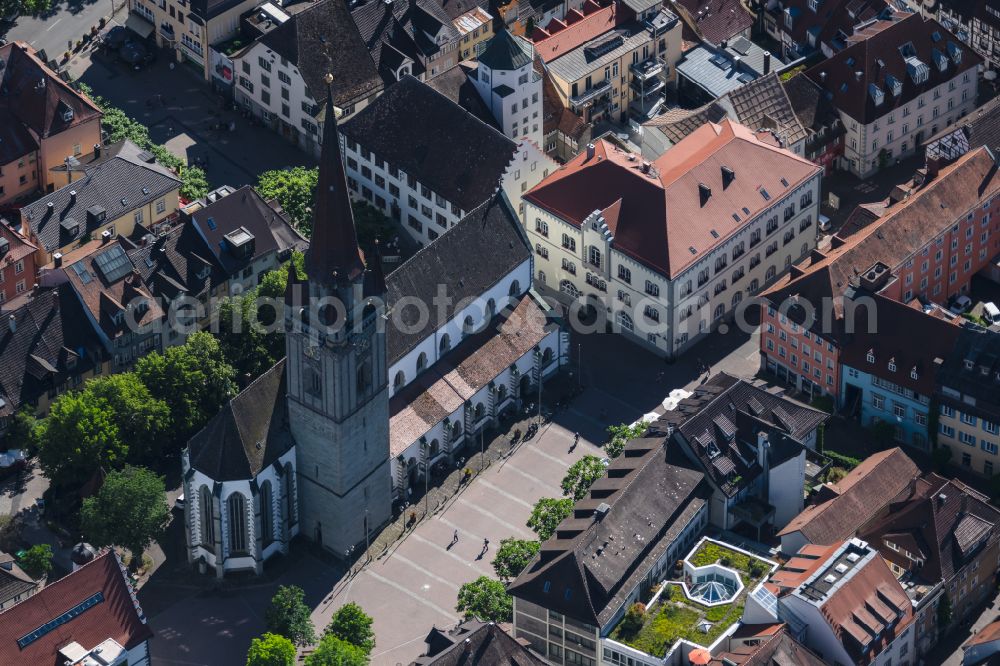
[
  {"x": 364, "y": 378},
  {"x": 313, "y": 381},
  {"x": 207, "y": 522},
  {"x": 399, "y": 381},
  {"x": 288, "y": 496},
  {"x": 422, "y": 362},
  {"x": 237, "y": 523},
  {"x": 266, "y": 514},
  {"x": 445, "y": 344}
]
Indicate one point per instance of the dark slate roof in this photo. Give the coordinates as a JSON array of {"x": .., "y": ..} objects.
[
  {"x": 456, "y": 8},
  {"x": 981, "y": 382},
  {"x": 177, "y": 262},
  {"x": 838, "y": 75},
  {"x": 981, "y": 127},
  {"x": 475, "y": 254},
  {"x": 127, "y": 177},
  {"x": 399, "y": 29},
  {"x": 589, "y": 566},
  {"x": 51, "y": 332},
  {"x": 720, "y": 423},
  {"x": 13, "y": 581},
  {"x": 209, "y": 9},
  {"x": 505, "y": 52},
  {"x": 947, "y": 522},
  {"x": 456, "y": 86},
  {"x": 473, "y": 642},
  {"x": 779, "y": 649},
  {"x": 36, "y": 98},
  {"x": 718, "y": 20},
  {"x": 431, "y": 138},
  {"x": 248, "y": 434},
  {"x": 323, "y": 40},
  {"x": 244, "y": 209},
  {"x": 810, "y": 104}
]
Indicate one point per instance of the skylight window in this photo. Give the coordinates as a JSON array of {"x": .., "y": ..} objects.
[
  {"x": 211, "y": 223},
  {"x": 763, "y": 193}
]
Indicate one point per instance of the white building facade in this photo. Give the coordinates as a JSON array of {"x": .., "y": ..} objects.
[{"x": 508, "y": 84}]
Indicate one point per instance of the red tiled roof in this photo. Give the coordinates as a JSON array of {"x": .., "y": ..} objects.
[
  {"x": 987, "y": 634},
  {"x": 115, "y": 617},
  {"x": 865, "y": 491},
  {"x": 19, "y": 245},
  {"x": 657, "y": 216},
  {"x": 596, "y": 23}
]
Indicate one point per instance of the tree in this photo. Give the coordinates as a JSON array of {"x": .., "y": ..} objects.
[
  {"x": 22, "y": 431},
  {"x": 943, "y": 613},
  {"x": 130, "y": 510},
  {"x": 193, "y": 379},
  {"x": 486, "y": 599},
  {"x": 272, "y": 285},
  {"x": 142, "y": 420},
  {"x": 78, "y": 436},
  {"x": 620, "y": 435},
  {"x": 512, "y": 556},
  {"x": 546, "y": 515},
  {"x": 271, "y": 650},
  {"x": 350, "y": 623},
  {"x": 244, "y": 339},
  {"x": 633, "y": 620},
  {"x": 581, "y": 475},
  {"x": 37, "y": 560},
  {"x": 294, "y": 189},
  {"x": 288, "y": 615},
  {"x": 883, "y": 433},
  {"x": 194, "y": 182},
  {"x": 333, "y": 651},
  {"x": 36, "y": 6},
  {"x": 371, "y": 224}
]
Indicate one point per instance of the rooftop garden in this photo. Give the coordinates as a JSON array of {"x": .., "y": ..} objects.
[{"x": 672, "y": 616}]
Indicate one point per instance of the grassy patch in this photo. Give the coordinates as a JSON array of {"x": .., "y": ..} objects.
[{"x": 710, "y": 553}]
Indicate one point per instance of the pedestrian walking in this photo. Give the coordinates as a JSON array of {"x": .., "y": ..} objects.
[{"x": 454, "y": 537}]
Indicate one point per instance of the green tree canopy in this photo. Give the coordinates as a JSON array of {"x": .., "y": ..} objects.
[
  {"x": 512, "y": 556},
  {"x": 546, "y": 515},
  {"x": 143, "y": 421},
  {"x": 271, "y": 650},
  {"x": 333, "y": 651},
  {"x": 79, "y": 435},
  {"x": 272, "y": 285},
  {"x": 193, "y": 379},
  {"x": 350, "y": 623},
  {"x": 620, "y": 435},
  {"x": 244, "y": 337},
  {"x": 130, "y": 510},
  {"x": 295, "y": 190},
  {"x": 486, "y": 599},
  {"x": 37, "y": 560},
  {"x": 581, "y": 475},
  {"x": 288, "y": 615}
]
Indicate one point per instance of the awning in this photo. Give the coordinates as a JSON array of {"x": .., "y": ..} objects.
[{"x": 139, "y": 25}]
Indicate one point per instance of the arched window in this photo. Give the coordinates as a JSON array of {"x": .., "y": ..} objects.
[
  {"x": 266, "y": 513},
  {"x": 364, "y": 376},
  {"x": 479, "y": 412},
  {"x": 468, "y": 325},
  {"x": 435, "y": 448},
  {"x": 422, "y": 362},
  {"x": 805, "y": 248},
  {"x": 515, "y": 288},
  {"x": 569, "y": 289},
  {"x": 770, "y": 273},
  {"x": 547, "y": 356},
  {"x": 501, "y": 393},
  {"x": 288, "y": 496},
  {"x": 491, "y": 309},
  {"x": 207, "y": 521},
  {"x": 399, "y": 380},
  {"x": 456, "y": 429},
  {"x": 541, "y": 277},
  {"x": 445, "y": 344},
  {"x": 625, "y": 321},
  {"x": 720, "y": 309},
  {"x": 754, "y": 285},
  {"x": 737, "y": 297},
  {"x": 237, "y": 506}
]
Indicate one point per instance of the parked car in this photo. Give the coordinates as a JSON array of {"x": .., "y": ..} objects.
[
  {"x": 960, "y": 304},
  {"x": 824, "y": 223},
  {"x": 991, "y": 313}
]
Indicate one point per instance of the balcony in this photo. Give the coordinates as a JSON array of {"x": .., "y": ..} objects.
[
  {"x": 167, "y": 32},
  {"x": 649, "y": 87},
  {"x": 587, "y": 96},
  {"x": 646, "y": 69}
]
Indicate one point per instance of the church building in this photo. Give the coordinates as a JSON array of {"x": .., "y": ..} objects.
[{"x": 379, "y": 383}]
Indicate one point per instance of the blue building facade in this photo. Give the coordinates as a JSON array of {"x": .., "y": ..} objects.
[{"x": 876, "y": 399}]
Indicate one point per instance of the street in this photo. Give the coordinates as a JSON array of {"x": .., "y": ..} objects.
[{"x": 55, "y": 31}]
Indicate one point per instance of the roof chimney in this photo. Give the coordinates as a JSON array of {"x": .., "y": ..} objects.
[
  {"x": 704, "y": 193},
  {"x": 933, "y": 165},
  {"x": 12, "y": 323},
  {"x": 822, "y": 77},
  {"x": 57, "y": 259},
  {"x": 72, "y": 195},
  {"x": 767, "y": 62},
  {"x": 857, "y": 75},
  {"x": 97, "y": 150},
  {"x": 590, "y": 151}
]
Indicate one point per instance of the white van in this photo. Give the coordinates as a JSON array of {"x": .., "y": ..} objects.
[
  {"x": 824, "y": 223},
  {"x": 991, "y": 313}
]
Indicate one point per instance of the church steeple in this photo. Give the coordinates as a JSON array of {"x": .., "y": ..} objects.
[{"x": 334, "y": 257}]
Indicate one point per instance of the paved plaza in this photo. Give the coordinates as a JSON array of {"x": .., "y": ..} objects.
[{"x": 414, "y": 586}]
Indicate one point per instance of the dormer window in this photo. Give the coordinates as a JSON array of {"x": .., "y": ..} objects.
[
  {"x": 913, "y": 373},
  {"x": 892, "y": 365},
  {"x": 894, "y": 85},
  {"x": 968, "y": 364},
  {"x": 870, "y": 357},
  {"x": 954, "y": 52},
  {"x": 876, "y": 93},
  {"x": 940, "y": 60}
]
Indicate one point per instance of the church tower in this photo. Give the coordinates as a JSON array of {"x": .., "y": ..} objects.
[{"x": 338, "y": 399}]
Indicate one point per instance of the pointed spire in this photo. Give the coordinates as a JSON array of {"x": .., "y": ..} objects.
[{"x": 333, "y": 256}]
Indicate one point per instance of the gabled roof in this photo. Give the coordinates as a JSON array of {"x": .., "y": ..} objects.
[
  {"x": 554, "y": 41},
  {"x": 904, "y": 342},
  {"x": 18, "y": 245},
  {"x": 249, "y": 433},
  {"x": 591, "y": 563},
  {"x": 410, "y": 29},
  {"x": 35, "y": 97},
  {"x": 475, "y": 642},
  {"x": 897, "y": 235},
  {"x": 981, "y": 127},
  {"x": 987, "y": 634},
  {"x": 859, "y": 497},
  {"x": 13, "y": 581},
  {"x": 413, "y": 127},
  {"x": 505, "y": 52},
  {"x": 323, "y": 40},
  {"x": 175, "y": 262},
  {"x": 777, "y": 649},
  {"x": 473, "y": 256},
  {"x": 119, "y": 185},
  {"x": 718, "y": 20},
  {"x": 898, "y": 50},
  {"x": 661, "y": 221},
  {"x": 114, "y": 615},
  {"x": 50, "y": 331},
  {"x": 722, "y": 419}
]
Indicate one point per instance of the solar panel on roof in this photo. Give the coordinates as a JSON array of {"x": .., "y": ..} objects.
[
  {"x": 57, "y": 622},
  {"x": 113, "y": 263},
  {"x": 82, "y": 273}
]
